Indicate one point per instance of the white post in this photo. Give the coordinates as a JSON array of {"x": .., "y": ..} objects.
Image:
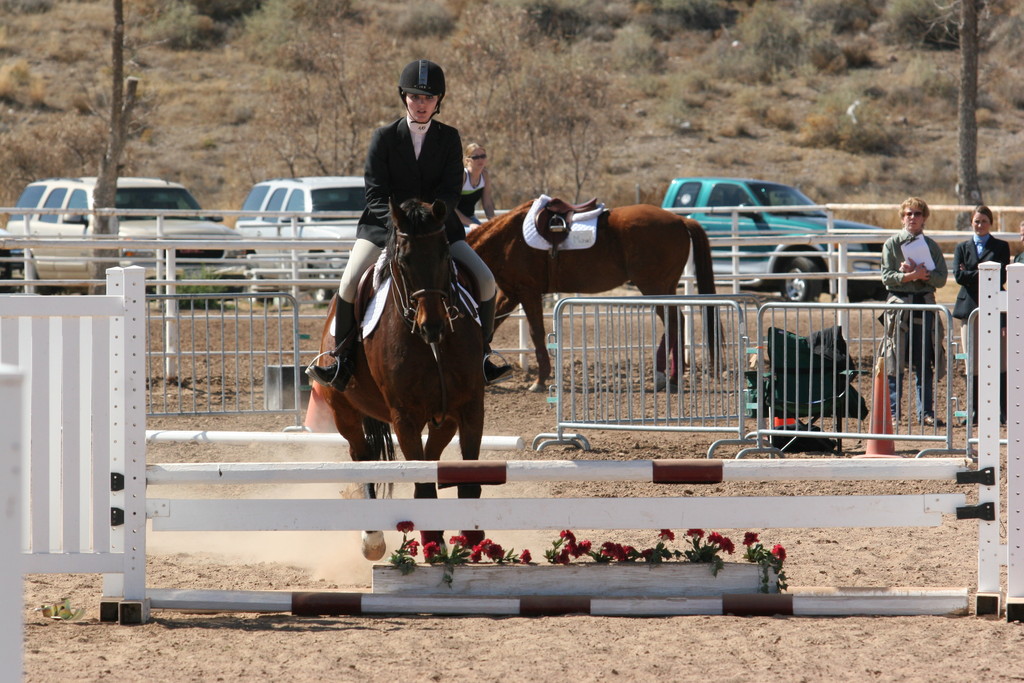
[
  {"x": 128, "y": 431},
  {"x": 989, "y": 546},
  {"x": 13, "y": 439},
  {"x": 1014, "y": 439}
]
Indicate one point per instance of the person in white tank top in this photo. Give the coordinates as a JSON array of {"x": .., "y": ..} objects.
[{"x": 476, "y": 187}]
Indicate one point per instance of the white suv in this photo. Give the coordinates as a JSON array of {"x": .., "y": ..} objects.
[
  {"x": 71, "y": 194},
  {"x": 311, "y": 194}
]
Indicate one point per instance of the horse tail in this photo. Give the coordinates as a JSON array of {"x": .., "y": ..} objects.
[
  {"x": 700, "y": 248},
  {"x": 381, "y": 447},
  {"x": 378, "y": 439}
]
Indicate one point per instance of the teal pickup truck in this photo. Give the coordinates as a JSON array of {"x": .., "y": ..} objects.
[{"x": 694, "y": 196}]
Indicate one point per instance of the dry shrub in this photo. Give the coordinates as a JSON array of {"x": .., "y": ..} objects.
[
  {"x": 771, "y": 40},
  {"x": 26, "y": 6},
  {"x": 19, "y": 85},
  {"x": 422, "y": 19},
  {"x": 833, "y": 126},
  {"x": 826, "y": 56},
  {"x": 924, "y": 76},
  {"x": 842, "y": 16},
  {"x": 924, "y": 22},
  {"x": 635, "y": 49},
  {"x": 66, "y": 146},
  {"x": 180, "y": 27},
  {"x": 857, "y": 52},
  {"x": 666, "y": 18},
  {"x": 765, "y": 106}
]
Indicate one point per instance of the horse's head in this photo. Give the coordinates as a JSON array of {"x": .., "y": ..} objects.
[{"x": 421, "y": 266}]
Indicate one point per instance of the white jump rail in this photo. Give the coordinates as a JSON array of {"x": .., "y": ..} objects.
[
  {"x": 12, "y": 455},
  {"x": 500, "y": 472},
  {"x": 489, "y": 443}
]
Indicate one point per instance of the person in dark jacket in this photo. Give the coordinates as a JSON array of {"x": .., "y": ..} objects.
[
  {"x": 414, "y": 157},
  {"x": 966, "y": 257}
]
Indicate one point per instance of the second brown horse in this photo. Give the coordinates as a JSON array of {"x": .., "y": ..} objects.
[{"x": 641, "y": 244}]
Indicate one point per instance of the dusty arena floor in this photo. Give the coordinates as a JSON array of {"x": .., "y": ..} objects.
[{"x": 242, "y": 647}]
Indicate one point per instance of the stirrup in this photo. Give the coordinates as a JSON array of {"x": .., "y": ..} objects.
[
  {"x": 496, "y": 374},
  {"x": 336, "y": 375}
]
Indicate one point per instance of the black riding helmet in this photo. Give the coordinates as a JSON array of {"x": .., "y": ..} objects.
[{"x": 422, "y": 77}]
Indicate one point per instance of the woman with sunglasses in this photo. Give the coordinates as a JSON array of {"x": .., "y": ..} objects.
[
  {"x": 476, "y": 187},
  {"x": 913, "y": 267}
]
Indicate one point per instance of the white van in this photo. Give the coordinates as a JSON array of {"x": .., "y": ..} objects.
[
  {"x": 75, "y": 197},
  {"x": 310, "y": 195}
]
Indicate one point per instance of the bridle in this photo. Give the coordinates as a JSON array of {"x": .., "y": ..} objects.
[{"x": 408, "y": 300}]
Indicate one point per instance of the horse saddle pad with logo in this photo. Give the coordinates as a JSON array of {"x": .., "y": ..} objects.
[{"x": 581, "y": 231}]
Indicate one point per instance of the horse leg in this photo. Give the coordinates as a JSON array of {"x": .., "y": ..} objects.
[
  {"x": 471, "y": 430},
  {"x": 411, "y": 443},
  {"x": 371, "y": 442},
  {"x": 534, "y": 310}
]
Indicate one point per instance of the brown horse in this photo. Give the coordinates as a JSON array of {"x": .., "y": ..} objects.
[
  {"x": 421, "y": 365},
  {"x": 641, "y": 244}
]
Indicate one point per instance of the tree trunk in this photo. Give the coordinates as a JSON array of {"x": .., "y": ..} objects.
[
  {"x": 968, "y": 188},
  {"x": 122, "y": 99}
]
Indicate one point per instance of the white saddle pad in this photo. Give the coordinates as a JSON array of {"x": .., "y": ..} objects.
[{"x": 582, "y": 235}]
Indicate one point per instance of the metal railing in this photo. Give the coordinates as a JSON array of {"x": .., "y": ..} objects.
[
  {"x": 216, "y": 354},
  {"x": 608, "y": 374}
]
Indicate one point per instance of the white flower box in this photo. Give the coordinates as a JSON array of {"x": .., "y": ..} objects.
[{"x": 668, "y": 579}]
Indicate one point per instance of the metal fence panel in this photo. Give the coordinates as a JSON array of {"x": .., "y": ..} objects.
[
  {"x": 807, "y": 395},
  {"x": 609, "y": 376},
  {"x": 212, "y": 353}
]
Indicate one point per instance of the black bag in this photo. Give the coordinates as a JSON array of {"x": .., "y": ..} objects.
[{"x": 802, "y": 444}]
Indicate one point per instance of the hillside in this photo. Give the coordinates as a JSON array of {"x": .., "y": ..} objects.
[{"x": 612, "y": 99}]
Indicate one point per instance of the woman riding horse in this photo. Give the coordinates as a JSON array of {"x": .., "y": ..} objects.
[{"x": 414, "y": 157}]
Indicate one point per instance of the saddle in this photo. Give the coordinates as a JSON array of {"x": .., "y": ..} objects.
[
  {"x": 554, "y": 221},
  {"x": 365, "y": 292}
]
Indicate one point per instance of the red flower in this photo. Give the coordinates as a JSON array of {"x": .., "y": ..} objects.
[
  {"x": 569, "y": 536},
  {"x": 494, "y": 551},
  {"x": 667, "y": 535},
  {"x": 614, "y": 551},
  {"x": 699, "y": 533},
  {"x": 430, "y": 549},
  {"x": 459, "y": 540},
  {"x": 750, "y": 538},
  {"x": 525, "y": 557},
  {"x": 476, "y": 555},
  {"x": 779, "y": 552},
  {"x": 406, "y": 527},
  {"x": 563, "y": 557},
  {"x": 723, "y": 542},
  {"x": 582, "y": 548},
  {"x": 647, "y": 554},
  {"x": 413, "y": 547}
]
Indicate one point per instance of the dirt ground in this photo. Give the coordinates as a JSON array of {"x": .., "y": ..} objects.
[{"x": 177, "y": 646}]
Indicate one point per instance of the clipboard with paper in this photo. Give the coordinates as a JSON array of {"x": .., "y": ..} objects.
[{"x": 917, "y": 250}]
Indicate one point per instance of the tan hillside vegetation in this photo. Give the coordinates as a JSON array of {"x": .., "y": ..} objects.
[{"x": 851, "y": 100}]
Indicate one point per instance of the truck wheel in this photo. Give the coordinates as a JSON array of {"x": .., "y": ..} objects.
[{"x": 798, "y": 289}]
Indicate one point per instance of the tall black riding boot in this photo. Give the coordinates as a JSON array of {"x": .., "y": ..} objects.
[
  {"x": 492, "y": 373},
  {"x": 337, "y": 374}
]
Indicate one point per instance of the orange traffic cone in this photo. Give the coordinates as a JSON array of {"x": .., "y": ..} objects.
[
  {"x": 318, "y": 415},
  {"x": 881, "y": 417}
]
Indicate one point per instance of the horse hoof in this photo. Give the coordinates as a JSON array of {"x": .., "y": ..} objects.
[
  {"x": 538, "y": 387},
  {"x": 662, "y": 382},
  {"x": 374, "y": 545}
]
